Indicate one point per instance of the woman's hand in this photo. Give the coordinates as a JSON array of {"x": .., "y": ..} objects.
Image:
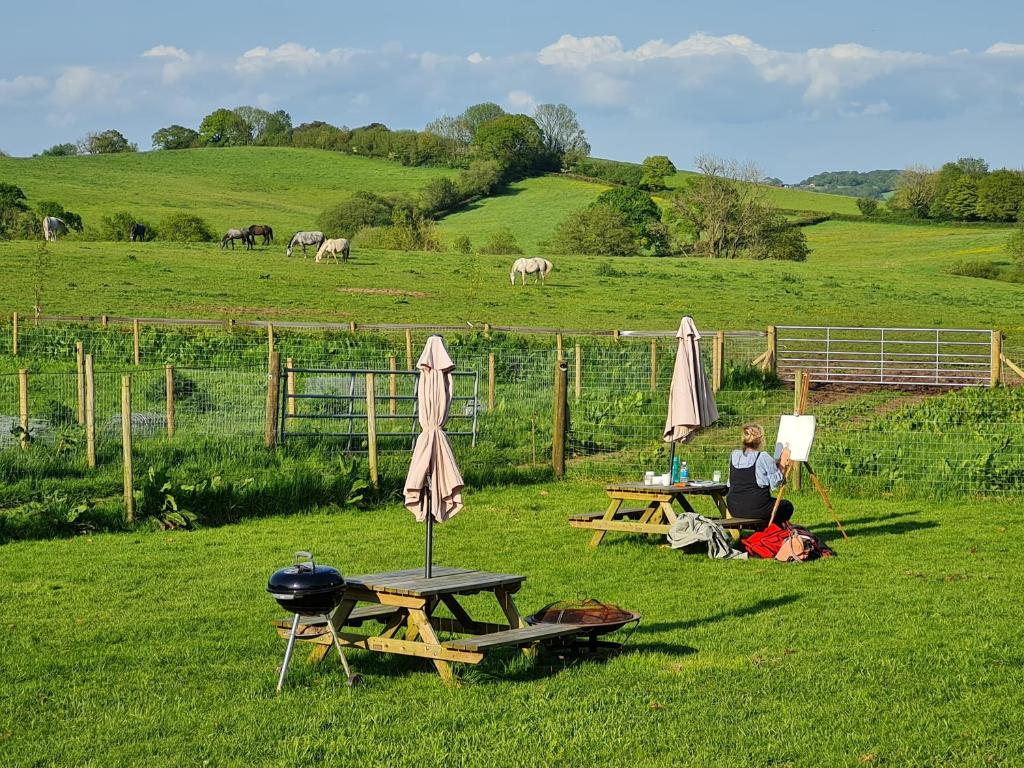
[{"x": 784, "y": 460}]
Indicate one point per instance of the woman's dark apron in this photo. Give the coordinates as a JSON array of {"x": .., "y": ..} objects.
[{"x": 746, "y": 498}]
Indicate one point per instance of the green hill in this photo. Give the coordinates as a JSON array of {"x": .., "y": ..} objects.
[
  {"x": 283, "y": 187},
  {"x": 790, "y": 200}
]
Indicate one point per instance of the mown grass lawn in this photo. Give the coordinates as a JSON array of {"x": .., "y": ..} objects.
[{"x": 156, "y": 649}]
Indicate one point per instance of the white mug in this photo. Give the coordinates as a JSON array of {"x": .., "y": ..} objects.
[
  {"x": 717, "y": 476},
  {"x": 648, "y": 478}
]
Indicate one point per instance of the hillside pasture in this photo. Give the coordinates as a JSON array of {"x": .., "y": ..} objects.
[{"x": 790, "y": 200}]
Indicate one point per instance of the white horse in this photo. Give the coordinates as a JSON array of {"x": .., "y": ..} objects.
[
  {"x": 304, "y": 239},
  {"x": 52, "y": 226},
  {"x": 526, "y": 267},
  {"x": 333, "y": 248}
]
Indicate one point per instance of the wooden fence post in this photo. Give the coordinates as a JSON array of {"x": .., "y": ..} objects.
[
  {"x": 273, "y": 392},
  {"x": 270, "y": 340},
  {"x": 997, "y": 353},
  {"x": 559, "y": 420},
  {"x": 126, "y": 446},
  {"x": 558, "y": 345},
  {"x": 23, "y": 406},
  {"x": 487, "y": 331},
  {"x": 14, "y": 334},
  {"x": 135, "y": 341},
  {"x": 169, "y": 383},
  {"x": 654, "y": 365},
  {"x": 578, "y": 365},
  {"x": 80, "y": 375},
  {"x": 90, "y": 413},
  {"x": 289, "y": 385},
  {"x": 371, "y": 428},
  {"x": 392, "y": 385},
  {"x": 799, "y": 406},
  {"x": 490, "y": 382},
  {"x": 408, "y": 349},
  {"x": 770, "y": 362},
  {"x": 352, "y": 326},
  {"x": 615, "y": 334},
  {"x": 717, "y": 361},
  {"x": 104, "y": 321}
]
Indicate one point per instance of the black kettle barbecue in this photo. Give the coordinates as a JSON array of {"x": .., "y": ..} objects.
[{"x": 308, "y": 590}]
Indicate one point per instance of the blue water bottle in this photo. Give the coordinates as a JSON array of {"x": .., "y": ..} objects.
[
  {"x": 684, "y": 473},
  {"x": 675, "y": 469}
]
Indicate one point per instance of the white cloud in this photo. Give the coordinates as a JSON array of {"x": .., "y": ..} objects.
[
  {"x": 21, "y": 86},
  {"x": 178, "y": 63},
  {"x": 477, "y": 58},
  {"x": 1006, "y": 49},
  {"x": 580, "y": 52},
  {"x": 520, "y": 101},
  {"x": 289, "y": 56},
  {"x": 85, "y": 85},
  {"x": 167, "y": 52}
]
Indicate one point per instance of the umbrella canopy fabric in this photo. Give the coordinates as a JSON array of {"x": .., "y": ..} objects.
[
  {"x": 433, "y": 468},
  {"x": 691, "y": 404}
]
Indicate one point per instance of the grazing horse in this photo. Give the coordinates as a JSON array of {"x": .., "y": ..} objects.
[
  {"x": 138, "y": 232},
  {"x": 264, "y": 231},
  {"x": 333, "y": 248},
  {"x": 526, "y": 267},
  {"x": 237, "y": 234},
  {"x": 52, "y": 226},
  {"x": 304, "y": 239}
]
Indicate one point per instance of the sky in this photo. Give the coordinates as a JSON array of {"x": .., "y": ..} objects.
[{"x": 797, "y": 87}]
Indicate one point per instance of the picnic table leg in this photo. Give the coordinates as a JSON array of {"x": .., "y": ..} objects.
[
  {"x": 421, "y": 620},
  {"x": 609, "y": 515},
  {"x": 515, "y": 621},
  {"x": 719, "y": 500},
  {"x": 687, "y": 507},
  {"x": 651, "y": 515}
]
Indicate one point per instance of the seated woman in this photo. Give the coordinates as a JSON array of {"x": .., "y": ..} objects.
[{"x": 753, "y": 474}]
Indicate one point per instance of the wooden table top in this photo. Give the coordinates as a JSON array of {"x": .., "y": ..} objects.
[
  {"x": 663, "y": 489},
  {"x": 445, "y": 581}
]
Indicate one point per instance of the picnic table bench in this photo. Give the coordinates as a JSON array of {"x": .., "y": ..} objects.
[
  {"x": 657, "y": 517},
  {"x": 404, "y": 604}
]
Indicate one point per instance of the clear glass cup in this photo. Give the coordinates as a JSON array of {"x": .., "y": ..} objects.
[
  {"x": 717, "y": 476},
  {"x": 648, "y": 478}
]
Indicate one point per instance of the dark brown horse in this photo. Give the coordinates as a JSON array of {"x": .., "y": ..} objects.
[{"x": 262, "y": 230}]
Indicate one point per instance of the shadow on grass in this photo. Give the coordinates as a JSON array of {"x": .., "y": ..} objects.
[
  {"x": 891, "y": 529},
  {"x": 760, "y": 606}
]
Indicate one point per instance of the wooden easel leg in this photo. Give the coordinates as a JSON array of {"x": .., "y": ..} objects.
[
  {"x": 778, "y": 499},
  {"x": 824, "y": 497}
]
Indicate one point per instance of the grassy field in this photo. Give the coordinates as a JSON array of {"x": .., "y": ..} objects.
[
  {"x": 126, "y": 649},
  {"x": 857, "y": 274},
  {"x": 230, "y": 187}
]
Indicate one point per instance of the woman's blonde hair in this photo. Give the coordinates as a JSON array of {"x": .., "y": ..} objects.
[{"x": 753, "y": 436}]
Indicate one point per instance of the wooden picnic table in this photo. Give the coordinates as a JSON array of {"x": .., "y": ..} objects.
[
  {"x": 657, "y": 516},
  {"x": 404, "y": 602}
]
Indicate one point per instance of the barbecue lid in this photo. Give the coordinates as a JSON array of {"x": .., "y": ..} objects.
[{"x": 305, "y": 576}]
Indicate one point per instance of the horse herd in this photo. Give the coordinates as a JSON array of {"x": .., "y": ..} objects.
[{"x": 325, "y": 247}]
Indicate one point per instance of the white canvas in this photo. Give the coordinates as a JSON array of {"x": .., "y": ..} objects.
[{"x": 798, "y": 433}]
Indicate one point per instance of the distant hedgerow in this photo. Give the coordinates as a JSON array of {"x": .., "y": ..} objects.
[{"x": 185, "y": 228}]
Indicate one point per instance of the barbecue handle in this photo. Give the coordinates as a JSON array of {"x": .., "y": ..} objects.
[{"x": 302, "y": 558}]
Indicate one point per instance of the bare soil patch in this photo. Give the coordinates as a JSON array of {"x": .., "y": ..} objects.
[{"x": 384, "y": 292}]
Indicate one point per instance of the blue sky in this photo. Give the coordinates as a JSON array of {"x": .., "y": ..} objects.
[{"x": 797, "y": 87}]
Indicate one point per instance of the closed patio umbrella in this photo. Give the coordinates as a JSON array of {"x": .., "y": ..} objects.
[
  {"x": 433, "y": 486},
  {"x": 691, "y": 403}
]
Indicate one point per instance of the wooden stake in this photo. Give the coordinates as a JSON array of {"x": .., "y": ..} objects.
[
  {"x": 578, "y": 365},
  {"x": 799, "y": 405},
  {"x": 487, "y": 331},
  {"x": 392, "y": 385},
  {"x": 135, "y": 341},
  {"x": 104, "y": 321},
  {"x": 371, "y": 428},
  {"x": 615, "y": 334},
  {"x": 559, "y": 421},
  {"x": 718, "y": 361},
  {"x": 558, "y": 344},
  {"x": 997, "y": 353},
  {"x": 169, "y": 383},
  {"x": 270, "y": 340},
  {"x": 80, "y": 371},
  {"x": 90, "y": 413},
  {"x": 408, "y": 349},
  {"x": 1012, "y": 366},
  {"x": 23, "y": 406},
  {"x": 126, "y": 446},
  {"x": 273, "y": 392},
  {"x": 290, "y": 387},
  {"x": 771, "y": 359},
  {"x": 490, "y": 382},
  {"x": 654, "y": 365},
  {"x": 352, "y": 326},
  {"x": 14, "y": 334}
]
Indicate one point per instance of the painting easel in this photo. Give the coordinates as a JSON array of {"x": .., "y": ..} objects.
[{"x": 802, "y": 389}]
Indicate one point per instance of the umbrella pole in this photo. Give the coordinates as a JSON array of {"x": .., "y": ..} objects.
[
  {"x": 428, "y": 567},
  {"x": 672, "y": 456}
]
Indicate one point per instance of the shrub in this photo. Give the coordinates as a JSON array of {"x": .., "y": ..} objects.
[
  {"x": 185, "y": 228},
  {"x": 654, "y": 170},
  {"x": 118, "y": 226},
  {"x": 479, "y": 179},
  {"x": 439, "y": 195},
  {"x": 607, "y": 269},
  {"x": 408, "y": 232},
  {"x": 598, "y": 229},
  {"x": 361, "y": 209},
  {"x": 502, "y": 243},
  {"x": 642, "y": 216},
  {"x": 867, "y": 206},
  {"x": 463, "y": 245},
  {"x": 614, "y": 171},
  {"x": 53, "y": 208},
  {"x": 60, "y": 150},
  {"x": 1015, "y": 245},
  {"x": 977, "y": 268}
]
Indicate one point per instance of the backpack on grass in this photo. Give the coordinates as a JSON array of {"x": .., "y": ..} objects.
[{"x": 786, "y": 543}]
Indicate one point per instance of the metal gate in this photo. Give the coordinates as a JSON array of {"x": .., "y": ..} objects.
[
  {"x": 332, "y": 403},
  {"x": 933, "y": 357}
]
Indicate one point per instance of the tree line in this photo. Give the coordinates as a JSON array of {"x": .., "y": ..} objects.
[{"x": 964, "y": 190}]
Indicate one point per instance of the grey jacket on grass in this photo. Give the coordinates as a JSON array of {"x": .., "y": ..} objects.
[{"x": 690, "y": 528}]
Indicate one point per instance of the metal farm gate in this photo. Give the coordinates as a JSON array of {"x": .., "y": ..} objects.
[
  {"x": 934, "y": 357},
  {"x": 335, "y": 403}
]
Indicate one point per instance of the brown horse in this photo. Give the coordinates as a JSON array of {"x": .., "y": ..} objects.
[{"x": 264, "y": 231}]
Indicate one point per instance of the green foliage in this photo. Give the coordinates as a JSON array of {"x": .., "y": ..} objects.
[
  {"x": 867, "y": 206},
  {"x": 175, "y": 137},
  {"x": 560, "y": 128},
  {"x": 12, "y": 198},
  {"x": 502, "y": 243},
  {"x": 268, "y": 129},
  {"x": 156, "y": 501},
  {"x": 770, "y": 236},
  {"x": 1015, "y": 244},
  {"x": 53, "y": 514},
  {"x": 1001, "y": 195},
  {"x": 224, "y": 128},
  {"x": 873, "y": 184},
  {"x": 15, "y": 221},
  {"x": 107, "y": 142},
  {"x": 118, "y": 226},
  {"x": 52, "y": 208},
  {"x": 60, "y": 150},
  {"x": 462, "y": 244},
  {"x": 480, "y": 179},
  {"x": 612, "y": 171},
  {"x": 321, "y": 135},
  {"x": 988, "y": 270},
  {"x": 596, "y": 230},
  {"x": 641, "y": 214},
  {"x": 476, "y": 115},
  {"x": 361, "y": 209},
  {"x": 439, "y": 195},
  {"x": 515, "y": 143},
  {"x": 655, "y": 169},
  {"x": 408, "y": 231},
  {"x": 185, "y": 228}
]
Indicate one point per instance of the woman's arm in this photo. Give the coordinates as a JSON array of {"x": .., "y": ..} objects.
[{"x": 767, "y": 471}]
